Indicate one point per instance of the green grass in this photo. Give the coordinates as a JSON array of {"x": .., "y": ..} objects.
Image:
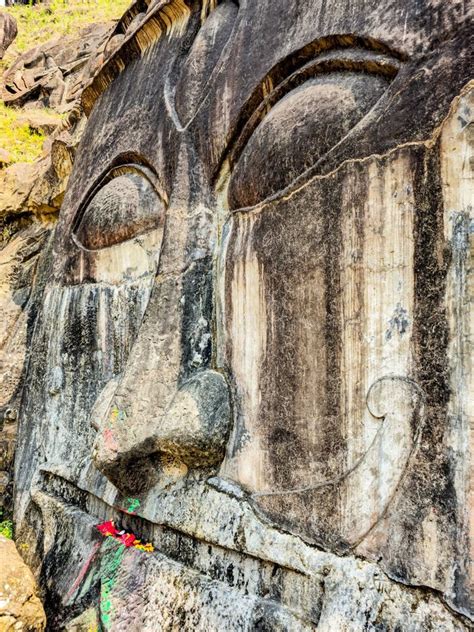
[
  {"x": 22, "y": 143},
  {"x": 6, "y": 527},
  {"x": 37, "y": 25},
  {"x": 40, "y": 23}
]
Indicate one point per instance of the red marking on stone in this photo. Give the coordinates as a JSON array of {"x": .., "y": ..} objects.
[
  {"x": 83, "y": 571},
  {"x": 110, "y": 441},
  {"x": 128, "y": 539},
  {"x": 108, "y": 529}
]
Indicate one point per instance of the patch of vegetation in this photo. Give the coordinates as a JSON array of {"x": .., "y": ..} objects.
[
  {"x": 40, "y": 23},
  {"x": 6, "y": 528},
  {"x": 21, "y": 142}
]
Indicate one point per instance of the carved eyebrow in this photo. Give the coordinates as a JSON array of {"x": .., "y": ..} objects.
[
  {"x": 143, "y": 24},
  {"x": 328, "y": 54}
]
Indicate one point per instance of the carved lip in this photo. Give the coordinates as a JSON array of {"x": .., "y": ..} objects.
[
  {"x": 67, "y": 494},
  {"x": 214, "y": 558}
]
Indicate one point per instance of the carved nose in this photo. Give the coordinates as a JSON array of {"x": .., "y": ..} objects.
[{"x": 193, "y": 431}]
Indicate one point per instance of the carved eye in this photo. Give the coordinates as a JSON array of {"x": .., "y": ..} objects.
[
  {"x": 125, "y": 205},
  {"x": 302, "y": 119}
]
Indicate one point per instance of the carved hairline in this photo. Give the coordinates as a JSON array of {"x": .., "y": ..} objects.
[
  {"x": 161, "y": 17},
  {"x": 170, "y": 17}
]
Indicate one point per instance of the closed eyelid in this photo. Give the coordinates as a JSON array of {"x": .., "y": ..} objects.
[
  {"x": 335, "y": 53},
  {"x": 301, "y": 111},
  {"x": 125, "y": 203}
]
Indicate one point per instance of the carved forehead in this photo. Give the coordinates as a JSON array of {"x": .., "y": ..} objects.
[
  {"x": 267, "y": 31},
  {"x": 156, "y": 86}
]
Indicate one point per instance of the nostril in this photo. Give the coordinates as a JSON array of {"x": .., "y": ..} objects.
[
  {"x": 135, "y": 454},
  {"x": 133, "y": 476},
  {"x": 195, "y": 428}
]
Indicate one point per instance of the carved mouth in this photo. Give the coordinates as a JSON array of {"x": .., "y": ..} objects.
[
  {"x": 167, "y": 540},
  {"x": 125, "y": 515},
  {"x": 261, "y": 580},
  {"x": 294, "y": 589}
]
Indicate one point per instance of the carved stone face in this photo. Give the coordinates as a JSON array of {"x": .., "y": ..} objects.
[{"x": 251, "y": 307}]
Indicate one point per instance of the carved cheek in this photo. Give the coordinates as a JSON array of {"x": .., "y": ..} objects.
[
  {"x": 97, "y": 307},
  {"x": 324, "y": 432}
]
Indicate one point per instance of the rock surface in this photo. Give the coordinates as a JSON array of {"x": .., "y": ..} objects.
[
  {"x": 54, "y": 74},
  {"x": 8, "y": 31},
  {"x": 37, "y": 188},
  {"x": 30, "y": 198},
  {"x": 20, "y": 606},
  {"x": 267, "y": 220},
  {"x": 5, "y": 158},
  {"x": 18, "y": 261}
]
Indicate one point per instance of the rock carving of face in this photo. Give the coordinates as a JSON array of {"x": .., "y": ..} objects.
[{"x": 248, "y": 287}]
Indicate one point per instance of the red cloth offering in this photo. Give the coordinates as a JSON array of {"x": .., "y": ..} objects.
[
  {"x": 107, "y": 528},
  {"x": 127, "y": 538}
]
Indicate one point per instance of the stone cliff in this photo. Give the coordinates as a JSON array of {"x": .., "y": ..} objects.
[
  {"x": 20, "y": 606},
  {"x": 240, "y": 362},
  {"x": 31, "y": 193}
]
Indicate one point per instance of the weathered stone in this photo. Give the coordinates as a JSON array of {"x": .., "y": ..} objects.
[
  {"x": 85, "y": 622},
  {"x": 39, "y": 121},
  {"x": 5, "y": 158},
  {"x": 18, "y": 261},
  {"x": 268, "y": 219},
  {"x": 50, "y": 75},
  {"x": 16, "y": 183},
  {"x": 20, "y": 606},
  {"x": 38, "y": 188},
  {"x": 113, "y": 44},
  {"x": 8, "y": 31}
]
